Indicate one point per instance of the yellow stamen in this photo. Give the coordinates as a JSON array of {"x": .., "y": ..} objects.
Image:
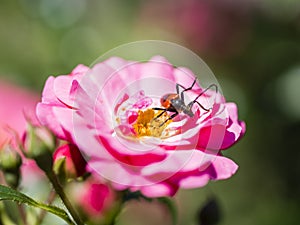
[{"x": 148, "y": 125}]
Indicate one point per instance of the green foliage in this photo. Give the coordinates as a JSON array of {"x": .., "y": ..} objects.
[{"x": 7, "y": 193}]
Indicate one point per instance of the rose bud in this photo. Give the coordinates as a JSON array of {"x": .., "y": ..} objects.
[
  {"x": 95, "y": 200},
  {"x": 38, "y": 144},
  {"x": 10, "y": 163},
  {"x": 68, "y": 161}
]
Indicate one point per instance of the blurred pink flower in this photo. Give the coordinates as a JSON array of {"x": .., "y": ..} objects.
[
  {"x": 16, "y": 102},
  {"x": 216, "y": 28},
  {"x": 108, "y": 114}
]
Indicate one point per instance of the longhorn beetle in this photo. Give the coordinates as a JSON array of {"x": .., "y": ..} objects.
[{"x": 174, "y": 102}]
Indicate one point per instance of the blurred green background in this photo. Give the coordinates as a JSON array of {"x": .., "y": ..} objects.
[{"x": 252, "y": 46}]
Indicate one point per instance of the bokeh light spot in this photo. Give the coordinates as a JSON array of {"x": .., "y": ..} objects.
[
  {"x": 62, "y": 13},
  {"x": 288, "y": 93}
]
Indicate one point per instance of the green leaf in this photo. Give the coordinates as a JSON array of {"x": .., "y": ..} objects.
[
  {"x": 7, "y": 193},
  {"x": 171, "y": 207}
]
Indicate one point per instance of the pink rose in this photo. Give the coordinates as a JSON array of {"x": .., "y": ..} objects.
[
  {"x": 58, "y": 94},
  {"x": 108, "y": 113}
]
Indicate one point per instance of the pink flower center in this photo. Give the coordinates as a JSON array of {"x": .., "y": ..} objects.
[{"x": 135, "y": 117}]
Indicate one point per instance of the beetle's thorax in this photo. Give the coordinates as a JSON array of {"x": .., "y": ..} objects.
[{"x": 180, "y": 106}]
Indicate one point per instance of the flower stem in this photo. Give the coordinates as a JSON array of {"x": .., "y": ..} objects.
[
  {"x": 112, "y": 217},
  {"x": 59, "y": 190}
]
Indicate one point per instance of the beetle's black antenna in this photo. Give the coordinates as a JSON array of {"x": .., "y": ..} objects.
[
  {"x": 161, "y": 109},
  {"x": 205, "y": 90}
]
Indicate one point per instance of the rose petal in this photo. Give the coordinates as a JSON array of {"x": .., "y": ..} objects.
[
  {"x": 159, "y": 190},
  {"x": 48, "y": 118}
]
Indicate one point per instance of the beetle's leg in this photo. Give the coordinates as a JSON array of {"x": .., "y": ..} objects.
[
  {"x": 177, "y": 88},
  {"x": 171, "y": 117},
  {"x": 195, "y": 100},
  {"x": 192, "y": 103},
  {"x": 184, "y": 89}
]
